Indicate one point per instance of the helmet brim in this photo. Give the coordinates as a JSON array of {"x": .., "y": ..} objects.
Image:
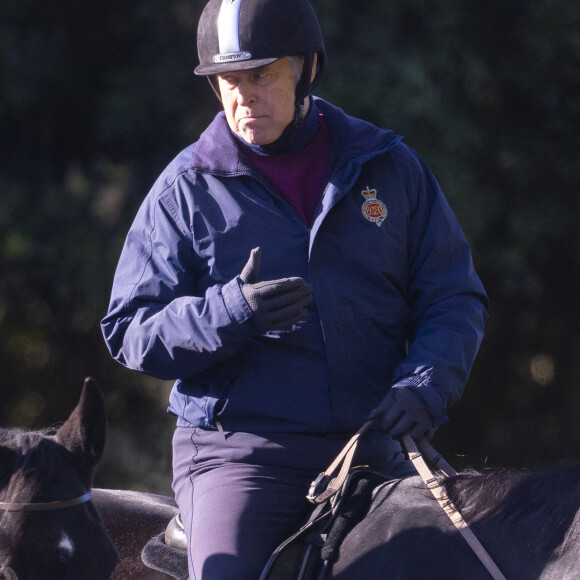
[{"x": 222, "y": 68}]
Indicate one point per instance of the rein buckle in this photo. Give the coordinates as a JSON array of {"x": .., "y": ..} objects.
[{"x": 318, "y": 486}]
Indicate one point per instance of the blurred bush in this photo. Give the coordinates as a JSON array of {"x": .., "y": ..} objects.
[{"x": 96, "y": 98}]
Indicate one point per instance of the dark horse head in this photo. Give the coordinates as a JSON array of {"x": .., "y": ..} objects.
[{"x": 49, "y": 528}]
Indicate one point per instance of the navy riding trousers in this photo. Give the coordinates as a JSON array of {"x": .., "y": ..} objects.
[{"x": 241, "y": 494}]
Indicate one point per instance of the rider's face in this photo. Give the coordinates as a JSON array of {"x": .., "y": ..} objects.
[{"x": 259, "y": 103}]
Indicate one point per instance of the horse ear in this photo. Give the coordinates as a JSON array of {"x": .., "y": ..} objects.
[{"x": 84, "y": 432}]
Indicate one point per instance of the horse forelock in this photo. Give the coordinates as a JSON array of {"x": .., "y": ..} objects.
[
  {"x": 544, "y": 504},
  {"x": 27, "y": 465},
  {"x": 35, "y": 468}
]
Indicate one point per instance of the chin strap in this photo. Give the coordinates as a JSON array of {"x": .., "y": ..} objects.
[
  {"x": 299, "y": 115},
  {"x": 213, "y": 82},
  {"x": 304, "y": 87}
]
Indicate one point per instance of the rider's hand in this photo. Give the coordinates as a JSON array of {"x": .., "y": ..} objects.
[
  {"x": 276, "y": 304},
  {"x": 403, "y": 411}
]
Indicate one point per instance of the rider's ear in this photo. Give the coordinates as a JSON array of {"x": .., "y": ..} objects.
[{"x": 84, "y": 432}]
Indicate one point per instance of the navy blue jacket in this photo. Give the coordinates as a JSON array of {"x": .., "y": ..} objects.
[{"x": 396, "y": 299}]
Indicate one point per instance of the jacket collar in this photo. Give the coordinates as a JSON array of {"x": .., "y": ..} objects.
[{"x": 217, "y": 152}]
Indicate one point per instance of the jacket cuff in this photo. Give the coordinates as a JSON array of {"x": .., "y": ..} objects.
[
  {"x": 235, "y": 302},
  {"x": 420, "y": 382}
]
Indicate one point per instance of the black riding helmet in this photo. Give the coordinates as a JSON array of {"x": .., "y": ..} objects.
[{"x": 243, "y": 34}]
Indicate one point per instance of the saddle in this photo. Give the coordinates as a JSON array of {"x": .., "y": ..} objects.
[
  {"x": 342, "y": 496},
  {"x": 167, "y": 552},
  {"x": 304, "y": 556},
  {"x": 341, "y": 502},
  {"x": 310, "y": 552}
]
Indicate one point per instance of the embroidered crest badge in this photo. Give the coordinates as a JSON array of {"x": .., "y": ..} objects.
[{"x": 373, "y": 209}]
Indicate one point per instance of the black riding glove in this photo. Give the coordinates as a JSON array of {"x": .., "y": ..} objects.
[
  {"x": 276, "y": 304},
  {"x": 403, "y": 411}
]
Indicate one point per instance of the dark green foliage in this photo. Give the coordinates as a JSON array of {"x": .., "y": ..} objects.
[{"x": 95, "y": 99}]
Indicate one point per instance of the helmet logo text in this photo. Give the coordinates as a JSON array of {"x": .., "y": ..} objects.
[{"x": 232, "y": 57}]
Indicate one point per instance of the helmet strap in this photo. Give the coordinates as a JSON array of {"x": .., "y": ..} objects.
[
  {"x": 213, "y": 81},
  {"x": 303, "y": 88}
]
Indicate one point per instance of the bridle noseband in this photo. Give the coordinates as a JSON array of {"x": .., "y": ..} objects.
[
  {"x": 44, "y": 506},
  {"x": 6, "y": 572}
]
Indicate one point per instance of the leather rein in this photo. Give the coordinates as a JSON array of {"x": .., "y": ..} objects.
[
  {"x": 44, "y": 506},
  {"x": 325, "y": 486},
  {"x": 434, "y": 484}
]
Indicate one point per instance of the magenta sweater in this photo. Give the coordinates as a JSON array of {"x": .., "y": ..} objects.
[{"x": 299, "y": 177}]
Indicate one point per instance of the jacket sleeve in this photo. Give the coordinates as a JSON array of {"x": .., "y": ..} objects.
[
  {"x": 159, "y": 321},
  {"x": 447, "y": 301}
]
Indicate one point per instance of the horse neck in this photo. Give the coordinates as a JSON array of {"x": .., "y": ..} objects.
[{"x": 525, "y": 501}]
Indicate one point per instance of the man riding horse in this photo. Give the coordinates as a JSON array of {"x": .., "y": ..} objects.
[{"x": 297, "y": 271}]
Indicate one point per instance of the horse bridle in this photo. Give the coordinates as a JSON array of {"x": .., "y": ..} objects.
[
  {"x": 6, "y": 573},
  {"x": 45, "y": 506}
]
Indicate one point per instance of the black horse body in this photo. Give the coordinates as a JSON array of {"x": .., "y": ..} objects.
[
  {"x": 132, "y": 519},
  {"x": 528, "y": 522}
]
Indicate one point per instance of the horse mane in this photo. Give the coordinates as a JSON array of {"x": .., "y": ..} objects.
[
  {"x": 542, "y": 504},
  {"x": 23, "y": 451},
  {"x": 15, "y": 436}
]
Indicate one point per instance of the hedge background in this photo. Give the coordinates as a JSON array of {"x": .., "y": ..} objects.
[{"x": 96, "y": 98}]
